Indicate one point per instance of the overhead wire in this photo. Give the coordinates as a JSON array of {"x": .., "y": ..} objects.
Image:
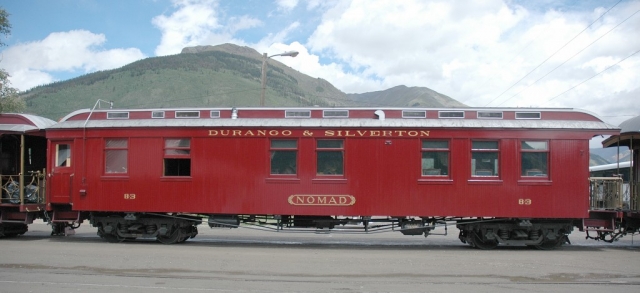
[
  {"x": 556, "y": 52},
  {"x": 574, "y": 55},
  {"x": 636, "y": 52}
]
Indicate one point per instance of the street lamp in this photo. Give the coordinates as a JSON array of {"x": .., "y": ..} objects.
[{"x": 264, "y": 71}]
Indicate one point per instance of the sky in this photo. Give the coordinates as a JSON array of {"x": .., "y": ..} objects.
[{"x": 484, "y": 53}]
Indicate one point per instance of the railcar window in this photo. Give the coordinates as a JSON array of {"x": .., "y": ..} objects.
[
  {"x": 117, "y": 115},
  {"x": 484, "y": 158},
  {"x": 214, "y": 114},
  {"x": 489, "y": 115},
  {"x": 297, "y": 114},
  {"x": 116, "y": 156},
  {"x": 414, "y": 114},
  {"x": 435, "y": 158},
  {"x": 177, "y": 157},
  {"x": 63, "y": 155},
  {"x": 535, "y": 158},
  {"x": 330, "y": 157},
  {"x": 528, "y": 115},
  {"x": 157, "y": 114},
  {"x": 284, "y": 156},
  {"x": 335, "y": 113},
  {"x": 451, "y": 114},
  {"x": 187, "y": 114}
]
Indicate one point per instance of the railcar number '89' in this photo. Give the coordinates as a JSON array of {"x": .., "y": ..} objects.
[
  {"x": 129, "y": 196},
  {"x": 522, "y": 201}
]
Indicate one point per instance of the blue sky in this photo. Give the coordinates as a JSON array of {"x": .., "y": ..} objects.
[{"x": 497, "y": 53}]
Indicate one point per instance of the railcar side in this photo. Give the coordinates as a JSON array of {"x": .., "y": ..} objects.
[{"x": 508, "y": 176}]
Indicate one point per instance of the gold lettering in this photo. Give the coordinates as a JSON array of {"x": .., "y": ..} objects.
[
  {"x": 401, "y": 132},
  {"x": 273, "y": 132},
  {"x": 361, "y": 132},
  {"x": 413, "y": 133},
  {"x": 327, "y": 200},
  {"x": 307, "y": 133},
  {"x": 329, "y": 133},
  {"x": 347, "y": 133},
  {"x": 387, "y": 133},
  {"x": 225, "y": 132},
  {"x": 213, "y": 132},
  {"x": 262, "y": 132},
  {"x": 249, "y": 133},
  {"x": 375, "y": 132},
  {"x": 424, "y": 133},
  {"x": 237, "y": 133},
  {"x": 286, "y": 132}
]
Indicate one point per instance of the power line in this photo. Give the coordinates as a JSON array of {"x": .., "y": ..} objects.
[
  {"x": 556, "y": 52},
  {"x": 636, "y": 52},
  {"x": 574, "y": 55}
]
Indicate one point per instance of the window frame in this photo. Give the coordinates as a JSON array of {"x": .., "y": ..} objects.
[
  {"x": 424, "y": 150},
  {"x": 340, "y": 149},
  {"x": 525, "y": 173},
  {"x": 295, "y": 150},
  {"x": 496, "y": 174},
  {"x": 176, "y": 156},
  {"x": 108, "y": 148},
  {"x": 67, "y": 160}
]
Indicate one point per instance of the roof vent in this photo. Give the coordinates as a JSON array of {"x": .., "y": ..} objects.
[{"x": 380, "y": 114}]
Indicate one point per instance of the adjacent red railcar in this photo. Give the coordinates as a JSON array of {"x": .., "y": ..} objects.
[
  {"x": 22, "y": 166},
  {"x": 507, "y": 175}
]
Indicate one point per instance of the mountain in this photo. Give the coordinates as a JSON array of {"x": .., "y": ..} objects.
[
  {"x": 406, "y": 97},
  {"x": 212, "y": 76},
  {"x": 603, "y": 156}
]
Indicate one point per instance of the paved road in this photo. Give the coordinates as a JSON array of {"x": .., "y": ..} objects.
[{"x": 242, "y": 260}]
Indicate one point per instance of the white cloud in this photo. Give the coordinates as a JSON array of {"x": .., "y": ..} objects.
[
  {"x": 197, "y": 22},
  {"x": 31, "y": 64},
  {"x": 190, "y": 25},
  {"x": 287, "y": 5},
  {"x": 475, "y": 50}
]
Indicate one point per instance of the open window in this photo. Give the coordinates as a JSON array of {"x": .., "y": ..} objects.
[{"x": 177, "y": 157}]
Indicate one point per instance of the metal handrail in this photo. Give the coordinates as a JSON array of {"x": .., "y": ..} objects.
[
  {"x": 34, "y": 190},
  {"x": 606, "y": 193}
]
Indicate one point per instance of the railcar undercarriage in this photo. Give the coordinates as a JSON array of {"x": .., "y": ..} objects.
[
  {"x": 12, "y": 229},
  {"x": 166, "y": 229},
  {"x": 478, "y": 232},
  {"x": 541, "y": 234}
]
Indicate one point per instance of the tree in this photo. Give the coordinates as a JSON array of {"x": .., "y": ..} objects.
[
  {"x": 9, "y": 99},
  {"x": 5, "y": 26}
]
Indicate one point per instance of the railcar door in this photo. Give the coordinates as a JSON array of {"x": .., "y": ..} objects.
[{"x": 62, "y": 171}]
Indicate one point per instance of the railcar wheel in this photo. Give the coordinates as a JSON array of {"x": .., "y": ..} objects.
[
  {"x": 110, "y": 237},
  {"x": 550, "y": 244},
  {"x": 484, "y": 245},
  {"x": 113, "y": 238},
  {"x": 175, "y": 237}
]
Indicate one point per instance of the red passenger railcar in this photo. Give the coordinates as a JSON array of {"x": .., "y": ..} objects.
[
  {"x": 22, "y": 167},
  {"x": 507, "y": 175}
]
